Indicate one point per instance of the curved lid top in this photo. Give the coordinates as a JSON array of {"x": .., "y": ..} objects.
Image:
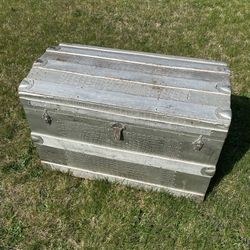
[{"x": 170, "y": 88}]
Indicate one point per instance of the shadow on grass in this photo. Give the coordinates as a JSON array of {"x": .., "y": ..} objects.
[{"x": 238, "y": 139}]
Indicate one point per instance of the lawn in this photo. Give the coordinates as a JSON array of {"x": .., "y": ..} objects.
[{"x": 42, "y": 209}]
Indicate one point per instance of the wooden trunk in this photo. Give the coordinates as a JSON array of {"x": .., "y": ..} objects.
[{"x": 143, "y": 119}]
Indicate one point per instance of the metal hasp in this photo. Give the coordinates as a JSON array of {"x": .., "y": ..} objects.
[
  {"x": 118, "y": 131},
  {"x": 147, "y": 120},
  {"x": 46, "y": 117},
  {"x": 198, "y": 144}
]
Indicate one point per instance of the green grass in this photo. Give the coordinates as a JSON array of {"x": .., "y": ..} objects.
[{"x": 41, "y": 209}]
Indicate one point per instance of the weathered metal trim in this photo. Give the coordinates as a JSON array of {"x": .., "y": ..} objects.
[
  {"x": 25, "y": 85},
  {"x": 153, "y": 55},
  {"x": 83, "y": 67},
  {"x": 40, "y": 62},
  {"x": 138, "y": 63},
  {"x": 224, "y": 114},
  {"x": 67, "y": 105},
  {"x": 37, "y": 139},
  {"x": 188, "y": 167},
  {"x": 152, "y": 107},
  {"x": 208, "y": 171},
  {"x": 122, "y": 180},
  {"x": 152, "y": 140},
  {"x": 223, "y": 90}
]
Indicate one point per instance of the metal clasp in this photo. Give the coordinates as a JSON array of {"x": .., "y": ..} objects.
[
  {"x": 118, "y": 129},
  {"x": 198, "y": 144},
  {"x": 46, "y": 117}
]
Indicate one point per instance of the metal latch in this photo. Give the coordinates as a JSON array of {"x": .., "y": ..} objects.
[
  {"x": 118, "y": 129},
  {"x": 46, "y": 117},
  {"x": 198, "y": 144}
]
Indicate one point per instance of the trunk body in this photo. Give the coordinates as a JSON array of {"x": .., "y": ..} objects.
[{"x": 143, "y": 119}]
